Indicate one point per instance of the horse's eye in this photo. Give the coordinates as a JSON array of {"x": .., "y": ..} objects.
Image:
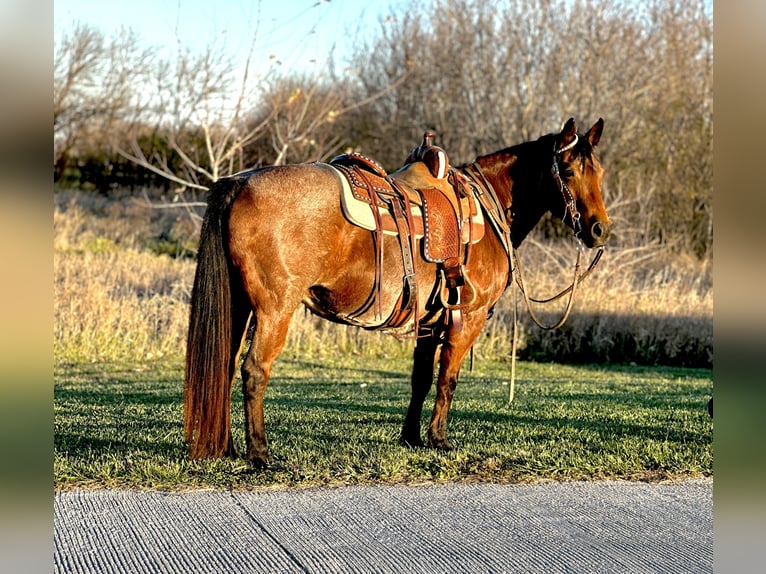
[{"x": 568, "y": 173}]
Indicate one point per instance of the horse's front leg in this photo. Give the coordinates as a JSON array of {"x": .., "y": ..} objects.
[
  {"x": 453, "y": 352},
  {"x": 422, "y": 380}
]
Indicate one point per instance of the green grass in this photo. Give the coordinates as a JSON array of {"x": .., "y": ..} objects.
[{"x": 335, "y": 421}]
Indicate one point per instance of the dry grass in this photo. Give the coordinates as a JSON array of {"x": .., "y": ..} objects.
[
  {"x": 117, "y": 299},
  {"x": 112, "y": 300},
  {"x": 118, "y": 295},
  {"x": 641, "y": 305}
]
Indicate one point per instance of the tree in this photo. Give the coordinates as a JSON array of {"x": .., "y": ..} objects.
[
  {"x": 94, "y": 80},
  {"x": 484, "y": 75},
  {"x": 197, "y": 109}
]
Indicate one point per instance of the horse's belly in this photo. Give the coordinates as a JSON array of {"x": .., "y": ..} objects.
[{"x": 355, "y": 292}]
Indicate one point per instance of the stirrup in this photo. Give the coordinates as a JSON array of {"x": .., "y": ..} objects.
[{"x": 442, "y": 287}]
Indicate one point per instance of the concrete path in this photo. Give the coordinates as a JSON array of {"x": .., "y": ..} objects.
[{"x": 577, "y": 527}]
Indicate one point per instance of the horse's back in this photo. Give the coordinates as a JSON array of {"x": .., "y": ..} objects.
[
  {"x": 297, "y": 199},
  {"x": 295, "y": 187}
]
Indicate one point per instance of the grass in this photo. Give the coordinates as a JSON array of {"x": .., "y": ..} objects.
[{"x": 336, "y": 421}]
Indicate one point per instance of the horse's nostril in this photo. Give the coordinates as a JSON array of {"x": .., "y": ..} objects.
[{"x": 597, "y": 230}]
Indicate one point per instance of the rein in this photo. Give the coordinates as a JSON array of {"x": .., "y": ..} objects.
[{"x": 570, "y": 289}]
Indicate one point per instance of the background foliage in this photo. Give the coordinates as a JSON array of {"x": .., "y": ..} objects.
[
  {"x": 150, "y": 134},
  {"x": 482, "y": 74}
]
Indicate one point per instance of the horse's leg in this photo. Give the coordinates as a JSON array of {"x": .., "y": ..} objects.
[
  {"x": 454, "y": 349},
  {"x": 271, "y": 325},
  {"x": 422, "y": 380},
  {"x": 240, "y": 318}
]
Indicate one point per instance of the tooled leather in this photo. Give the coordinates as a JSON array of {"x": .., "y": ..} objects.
[{"x": 441, "y": 238}]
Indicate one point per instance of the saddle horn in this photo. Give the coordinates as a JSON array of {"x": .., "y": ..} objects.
[{"x": 433, "y": 156}]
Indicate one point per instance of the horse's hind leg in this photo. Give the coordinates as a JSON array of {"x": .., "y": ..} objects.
[
  {"x": 268, "y": 341},
  {"x": 240, "y": 318},
  {"x": 422, "y": 380}
]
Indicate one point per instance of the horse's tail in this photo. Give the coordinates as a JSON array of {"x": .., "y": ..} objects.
[{"x": 207, "y": 378}]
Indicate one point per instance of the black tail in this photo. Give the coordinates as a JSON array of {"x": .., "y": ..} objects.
[{"x": 207, "y": 379}]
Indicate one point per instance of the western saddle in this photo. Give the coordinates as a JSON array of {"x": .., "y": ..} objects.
[{"x": 427, "y": 201}]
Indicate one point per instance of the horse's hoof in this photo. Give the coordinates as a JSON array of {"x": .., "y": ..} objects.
[
  {"x": 440, "y": 444},
  {"x": 259, "y": 462}
]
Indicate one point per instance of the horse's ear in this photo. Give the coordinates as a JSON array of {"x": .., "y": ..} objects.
[
  {"x": 594, "y": 135},
  {"x": 568, "y": 132}
]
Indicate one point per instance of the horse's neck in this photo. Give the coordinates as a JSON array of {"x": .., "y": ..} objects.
[{"x": 517, "y": 173}]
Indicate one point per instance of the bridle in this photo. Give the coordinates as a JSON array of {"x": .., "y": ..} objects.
[
  {"x": 498, "y": 218},
  {"x": 569, "y": 199},
  {"x": 571, "y": 208}
]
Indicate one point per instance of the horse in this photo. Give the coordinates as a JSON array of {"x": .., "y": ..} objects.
[{"x": 274, "y": 238}]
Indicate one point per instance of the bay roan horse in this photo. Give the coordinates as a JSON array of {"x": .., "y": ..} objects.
[{"x": 275, "y": 237}]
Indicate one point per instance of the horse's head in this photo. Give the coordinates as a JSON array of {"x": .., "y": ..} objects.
[{"x": 577, "y": 173}]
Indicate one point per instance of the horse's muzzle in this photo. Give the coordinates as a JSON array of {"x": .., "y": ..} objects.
[{"x": 599, "y": 233}]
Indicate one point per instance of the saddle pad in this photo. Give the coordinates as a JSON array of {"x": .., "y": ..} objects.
[{"x": 359, "y": 212}]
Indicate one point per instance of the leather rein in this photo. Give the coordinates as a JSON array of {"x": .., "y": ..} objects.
[{"x": 502, "y": 227}]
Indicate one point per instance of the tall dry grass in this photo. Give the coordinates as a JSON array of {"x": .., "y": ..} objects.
[
  {"x": 639, "y": 305},
  {"x": 119, "y": 295},
  {"x": 113, "y": 299}
]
